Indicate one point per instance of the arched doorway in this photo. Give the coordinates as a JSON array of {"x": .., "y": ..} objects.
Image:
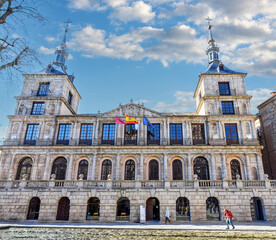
[
  {"x": 212, "y": 209},
  {"x": 123, "y": 209},
  {"x": 152, "y": 210},
  {"x": 182, "y": 209},
  {"x": 201, "y": 168},
  {"x": 177, "y": 170},
  {"x": 59, "y": 168},
  {"x": 63, "y": 209},
  {"x": 153, "y": 170},
  {"x": 34, "y": 207},
  {"x": 93, "y": 209},
  {"x": 83, "y": 169},
  {"x": 257, "y": 209},
  {"x": 24, "y": 167},
  {"x": 235, "y": 169},
  {"x": 130, "y": 170},
  {"x": 106, "y": 169}
]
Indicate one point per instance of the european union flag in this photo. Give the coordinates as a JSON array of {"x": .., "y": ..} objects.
[{"x": 147, "y": 122}]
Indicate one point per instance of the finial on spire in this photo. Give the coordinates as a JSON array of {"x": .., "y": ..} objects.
[
  {"x": 209, "y": 22},
  {"x": 66, "y": 29}
]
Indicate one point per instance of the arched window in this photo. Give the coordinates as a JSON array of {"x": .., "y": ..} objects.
[
  {"x": 212, "y": 209},
  {"x": 34, "y": 207},
  {"x": 93, "y": 209},
  {"x": 182, "y": 209},
  {"x": 59, "y": 168},
  {"x": 177, "y": 170},
  {"x": 83, "y": 169},
  {"x": 24, "y": 167},
  {"x": 130, "y": 170},
  {"x": 123, "y": 209},
  {"x": 235, "y": 169},
  {"x": 153, "y": 170},
  {"x": 201, "y": 168},
  {"x": 63, "y": 209},
  {"x": 106, "y": 169}
]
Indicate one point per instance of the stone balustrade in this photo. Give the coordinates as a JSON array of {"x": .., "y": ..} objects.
[{"x": 110, "y": 184}]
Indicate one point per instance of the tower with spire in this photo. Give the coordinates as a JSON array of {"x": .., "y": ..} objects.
[{"x": 51, "y": 91}]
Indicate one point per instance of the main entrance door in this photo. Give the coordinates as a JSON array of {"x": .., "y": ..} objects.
[
  {"x": 153, "y": 210},
  {"x": 256, "y": 209},
  {"x": 63, "y": 209}
]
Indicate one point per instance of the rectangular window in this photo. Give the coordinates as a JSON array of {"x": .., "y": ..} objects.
[
  {"x": 231, "y": 134},
  {"x": 154, "y": 134},
  {"x": 224, "y": 89},
  {"x": 64, "y": 134},
  {"x": 86, "y": 134},
  {"x": 43, "y": 89},
  {"x": 108, "y": 133},
  {"x": 198, "y": 134},
  {"x": 130, "y": 134},
  {"x": 38, "y": 108},
  {"x": 70, "y": 96},
  {"x": 227, "y": 108},
  {"x": 31, "y": 134},
  {"x": 176, "y": 136}
]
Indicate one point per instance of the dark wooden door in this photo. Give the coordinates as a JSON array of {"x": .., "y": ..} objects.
[
  {"x": 149, "y": 208},
  {"x": 152, "y": 210},
  {"x": 63, "y": 209},
  {"x": 34, "y": 207}
]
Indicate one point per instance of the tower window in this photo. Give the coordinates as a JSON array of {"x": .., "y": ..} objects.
[
  {"x": 231, "y": 134},
  {"x": 64, "y": 134},
  {"x": 108, "y": 134},
  {"x": 43, "y": 89},
  {"x": 70, "y": 96},
  {"x": 227, "y": 108},
  {"x": 224, "y": 89},
  {"x": 31, "y": 134},
  {"x": 38, "y": 108}
]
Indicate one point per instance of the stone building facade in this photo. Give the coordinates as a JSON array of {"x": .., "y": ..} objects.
[
  {"x": 267, "y": 114},
  {"x": 58, "y": 165}
]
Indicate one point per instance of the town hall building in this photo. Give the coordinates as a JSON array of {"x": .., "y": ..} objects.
[{"x": 58, "y": 165}]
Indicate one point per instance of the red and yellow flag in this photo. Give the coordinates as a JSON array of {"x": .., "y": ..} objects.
[{"x": 131, "y": 120}]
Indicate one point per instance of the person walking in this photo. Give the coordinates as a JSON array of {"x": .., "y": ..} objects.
[
  {"x": 167, "y": 216},
  {"x": 229, "y": 218}
]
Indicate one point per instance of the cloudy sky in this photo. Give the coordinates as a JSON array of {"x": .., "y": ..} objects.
[{"x": 151, "y": 51}]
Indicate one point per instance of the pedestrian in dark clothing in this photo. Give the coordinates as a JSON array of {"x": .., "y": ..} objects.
[{"x": 229, "y": 218}]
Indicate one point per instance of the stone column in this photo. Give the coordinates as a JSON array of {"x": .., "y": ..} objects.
[
  {"x": 94, "y": 132},
  {"x": 248, "y": 170},
  {"x": 165, "y": 170},
  {"x": 47, "y": 168},
  {"x": 73, "y": 130},
  {"x": 189, "y": 167},
  {"x": 164, "y": 140},
  {"x": 41, "y": 130},
  {"x": 224, "y": 167},
  {"x": 219, "y": 130},
  {"x": 259, "y": 167},
  {"x": 206, "y": 132},
  {"x": 184, "y": 133},
  {"x": 141, "y": 167},
  {"x": 117, "y": 167},
  {"x": 212, "y": 177},
  {"x": 97, "y": 127},
  {"x": 35, "y": 166},
  {"x": 168, "y": 132},
  {"x": 69, "y": 169},
  {"x": 11, "y": 166},
  {"x": 242, "y": 135},
  {"x": 252, "y": 130},
  {"x": 92, "y": 168}
]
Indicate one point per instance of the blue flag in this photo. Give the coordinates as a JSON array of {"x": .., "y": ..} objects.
[{"x": 147, "y": 122}]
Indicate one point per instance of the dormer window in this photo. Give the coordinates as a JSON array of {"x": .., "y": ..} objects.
[
  {"x": 43, "y": 89},
  {"x": 70, "y": 96}
]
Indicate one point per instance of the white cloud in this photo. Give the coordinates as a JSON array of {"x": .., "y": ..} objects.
[
  {"x": 50, "y": 39},
  {"x": 183, "y": 102},
  {"x": 139, "y": 11},
  {"x": 46, "y": 51},
  {"x": 90, "y": 5},
  {"x": 259, "y": 95}
]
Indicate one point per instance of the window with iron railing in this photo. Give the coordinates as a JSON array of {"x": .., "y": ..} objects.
[
  {"x": 130, "y": 134},
  {"x": 43, "y": 89},
  {"x": 154, "y": 134},
  {"x": 31, "y": 134},
  {"x": 86, "y": 134},
  {"x": 108, "y": 133},
  {"x": 38, "y": 108},
  {"x": 64, "y": 134},
  {"x": 227, "y": 107},
  {"x": 231, "y": 133},
  {"x": 176, "y": 136},
  {"x": 198, "y": 134}
]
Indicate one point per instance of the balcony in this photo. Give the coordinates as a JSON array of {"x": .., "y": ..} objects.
[{"x": 117, "y": 185}]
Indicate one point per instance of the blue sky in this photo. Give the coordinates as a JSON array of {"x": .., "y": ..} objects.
[{"x": 150, "y": 51}]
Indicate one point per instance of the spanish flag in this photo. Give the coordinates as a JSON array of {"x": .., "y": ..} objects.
[{"x": 131, "y": 120}]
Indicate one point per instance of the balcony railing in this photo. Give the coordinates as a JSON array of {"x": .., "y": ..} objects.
[
  {"x": 139, "y": 142},
  {"x": 117, "y": 184}
]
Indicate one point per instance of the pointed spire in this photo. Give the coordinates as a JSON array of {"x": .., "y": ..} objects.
[{"x": 212, "y": 50}]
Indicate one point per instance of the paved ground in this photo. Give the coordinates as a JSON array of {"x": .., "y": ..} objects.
[{"x": 149, "y": 231}]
